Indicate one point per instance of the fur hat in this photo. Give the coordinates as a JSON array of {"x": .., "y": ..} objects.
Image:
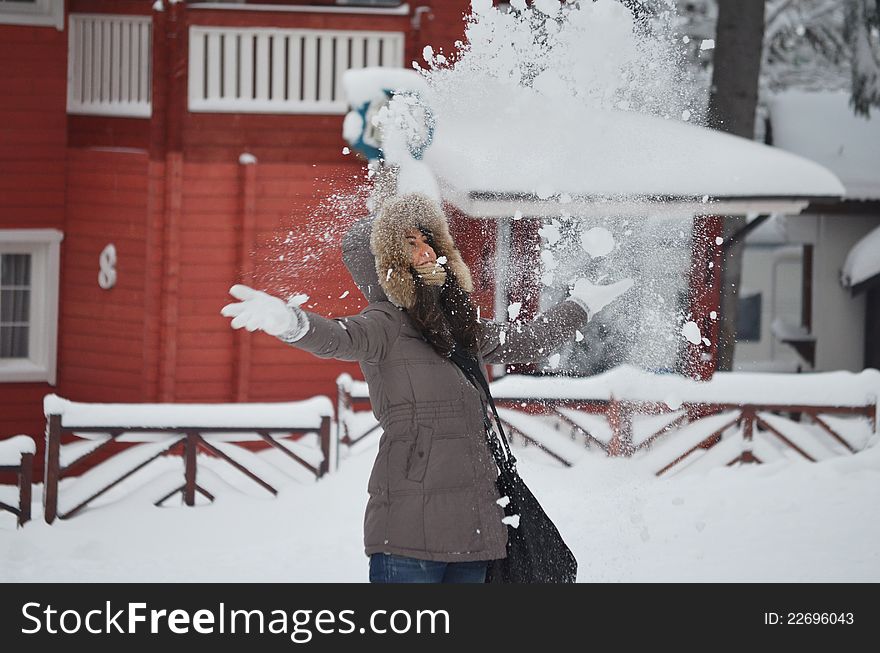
[{"x": 393, "y": 254}]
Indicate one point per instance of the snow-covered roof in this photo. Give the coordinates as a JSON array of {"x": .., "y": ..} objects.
[
  {"x": 863, "y": 260},
  {"x": 821, "y": 126},
  {"x": 535, "y": 149}
]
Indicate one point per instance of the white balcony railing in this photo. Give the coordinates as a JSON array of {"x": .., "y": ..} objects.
[
  {"x": 267, "y": 70},
  {"x": 109, "y": 65}
]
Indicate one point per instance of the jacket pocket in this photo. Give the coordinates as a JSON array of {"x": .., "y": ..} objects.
[{"x": 420, "y": 451}]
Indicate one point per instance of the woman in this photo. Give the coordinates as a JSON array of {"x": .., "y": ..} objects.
[{"x": 433, "y": 512}]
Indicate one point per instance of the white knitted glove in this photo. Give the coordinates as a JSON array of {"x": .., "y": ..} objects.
[
  {"x": 259, "y": 310},
  {"x": 593, "y": 298}
]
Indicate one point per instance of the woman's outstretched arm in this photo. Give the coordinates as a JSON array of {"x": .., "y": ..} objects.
[
  {"x": 528, "y": 342},
  {"x": 367, "y": 336}
]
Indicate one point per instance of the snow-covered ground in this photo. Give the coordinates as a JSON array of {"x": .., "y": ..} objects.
[{"x": 786, "y": 521}]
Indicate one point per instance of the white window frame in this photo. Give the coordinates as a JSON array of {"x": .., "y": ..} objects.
[
  {"x": 44, "y": 247},
  {"x": 48, "y": 13}
]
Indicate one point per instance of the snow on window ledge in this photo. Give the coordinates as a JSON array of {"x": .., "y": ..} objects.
[
  {"x": 25, "y": 371},
  {"x": 788, "y": 332},
  {"x": 47, "y": 13}
]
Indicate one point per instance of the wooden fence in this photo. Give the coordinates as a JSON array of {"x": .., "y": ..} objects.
[
  {"x": 21, "y": 449},
  {"x": 673, "y": 433},
  {"x": 174, "y": 436},
  {"x": 618, "y": 415},
  {"x": 353, "y": 425}
]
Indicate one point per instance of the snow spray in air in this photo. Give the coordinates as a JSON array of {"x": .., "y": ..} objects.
[
  {"x": 540, "y": 97},
  {"x": 524, "y": 95}
]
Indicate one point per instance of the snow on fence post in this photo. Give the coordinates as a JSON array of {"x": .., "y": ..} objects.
[{"x": 21, "y": 449}]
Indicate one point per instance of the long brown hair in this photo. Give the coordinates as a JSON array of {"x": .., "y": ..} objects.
[{"x": 445, "y": 315}]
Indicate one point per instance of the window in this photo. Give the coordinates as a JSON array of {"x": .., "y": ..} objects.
[
  {"x": 15, "y": 303},
  {"x": 29, "y": 270},
  {"x": 33, "y": 12},
  {"x": 748, "y": 318}
]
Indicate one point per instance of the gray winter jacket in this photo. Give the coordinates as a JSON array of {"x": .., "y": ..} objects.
[{"x": 432, "y": 489}]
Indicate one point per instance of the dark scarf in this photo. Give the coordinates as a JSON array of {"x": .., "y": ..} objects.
[{"x": 470, "y": 367}]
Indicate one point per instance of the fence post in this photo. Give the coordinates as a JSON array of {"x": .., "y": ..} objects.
[
  {"x": 189, "y": 455},
  {"x": 51, "y": 469},
  {"x": 343, "y": 408},
  {"x": 25, "y": 481},
  {"x": 620, "y": 420},
  {"x": 324, "y": 467},
  {"x": 748, "y": 429}
]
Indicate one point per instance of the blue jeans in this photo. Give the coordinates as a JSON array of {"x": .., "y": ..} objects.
[{"x": 390, "y": 568}]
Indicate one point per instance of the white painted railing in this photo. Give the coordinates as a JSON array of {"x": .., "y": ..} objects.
[
  {"x": 109, "y": 65},
  {"x": 267, "y": 70}
]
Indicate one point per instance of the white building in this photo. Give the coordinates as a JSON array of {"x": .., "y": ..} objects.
[{"x": 811, "y": 297}]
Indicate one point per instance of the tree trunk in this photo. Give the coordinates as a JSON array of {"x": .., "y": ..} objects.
[{"x": 737, "y": 58}]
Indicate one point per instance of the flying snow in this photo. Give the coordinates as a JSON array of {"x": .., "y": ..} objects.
[
  {"x": 597, "y": 241},
  {"x": 513, "y": 310},
  {"x": 691, "y": 332}
]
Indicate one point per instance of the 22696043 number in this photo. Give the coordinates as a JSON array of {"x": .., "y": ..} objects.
[{"x": 821, "y": 618}]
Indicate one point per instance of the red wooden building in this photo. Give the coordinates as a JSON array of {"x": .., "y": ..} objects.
[
  {"x": 106, "y": 140},
  {"x": 203, "y": 141}
]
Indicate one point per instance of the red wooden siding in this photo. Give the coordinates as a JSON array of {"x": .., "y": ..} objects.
[
  {"x": 476, "y": 240},
  {"x": 297, "y": 204},
  {"x": 32, "y": 170},
  {"x": 107, "y": 131},
  {"x": 32, "y": 126},
  {"x": 443, "y": 26},
  {"x": 204, "y": 239},
  {"x": 102, "y": 331},
  {"x": 128, "y": 7},
  {"x": 294, "y": 138},
  {"x": 211, "y": 255},
  {"x": 187, "y": 219},
  {"x": 299, "y": 19},
  {"x": 704, "y": 295}
]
